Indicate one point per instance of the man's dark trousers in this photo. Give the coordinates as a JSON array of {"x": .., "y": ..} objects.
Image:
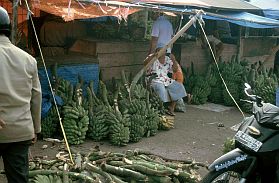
[{"x": 15, "y": 158}]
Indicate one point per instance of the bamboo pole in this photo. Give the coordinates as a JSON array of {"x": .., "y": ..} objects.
[{"x": 198, "y": 13}]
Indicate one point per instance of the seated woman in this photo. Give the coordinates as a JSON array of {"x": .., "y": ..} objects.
[{"x": 167, "y": 88}]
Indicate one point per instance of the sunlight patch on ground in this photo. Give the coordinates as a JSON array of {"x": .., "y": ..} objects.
[{"x": 213, "y": 107}]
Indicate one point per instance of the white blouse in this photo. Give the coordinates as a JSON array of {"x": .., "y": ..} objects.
[{"x": 162, "y": 71}]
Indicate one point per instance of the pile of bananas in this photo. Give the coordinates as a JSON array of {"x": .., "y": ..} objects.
[
  {"x": 137, "y": 128},
  {"x": 137, "y": 106},
  {"x": 216, "y": 95},
  {"x": 212, "y": 76},
  {"x": 200, "y": 90},
  {"x": 152, "y": 121},
  {"x": 98, "y": 128},
  {"x": 50, "y": 123},
  {"x": 139, "y": 92},
  {"x": 47, "y": 179},
  {"x": 234, "y": 90},
  {"x": 119, "y": 128},
  {"x": 64, "y": 89},
  {"x": 75, "y": 123},
  {"x": 156, "y": 103},
  {"x": 266, "y": 88},
  {"x": 152, "y": 118},
  {"x": 166, "y": 123}
]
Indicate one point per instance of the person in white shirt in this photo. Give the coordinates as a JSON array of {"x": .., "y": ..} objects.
[{"x": 162, "y": 32}]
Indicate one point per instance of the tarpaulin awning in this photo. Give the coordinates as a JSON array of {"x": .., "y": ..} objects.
[
  {"x": 70, "y": 10},
  {"x": 239, "y": 5},
  {"x": 244, "y": 19},
  {"x": 240, "y": 18},
  {"x": 84, "y": 9},
  {"x": 270, "y": 7}
]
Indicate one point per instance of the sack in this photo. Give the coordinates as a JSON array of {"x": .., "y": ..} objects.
[{"x": 180, "y": 106}]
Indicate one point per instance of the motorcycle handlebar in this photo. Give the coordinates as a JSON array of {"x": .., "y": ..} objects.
[{"x": 253, "y": 98}]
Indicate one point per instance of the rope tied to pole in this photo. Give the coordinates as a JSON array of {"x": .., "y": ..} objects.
[
  {"x": 201, "y": 23},
  {"x": 51, "y": 89}
]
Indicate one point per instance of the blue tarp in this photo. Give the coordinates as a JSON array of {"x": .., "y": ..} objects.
[
  {"x": 270, "y": 7},
  {"x": 239, "y": 18},
  {"x": 87, "y": 71},
  {"x": 244, "y": 19}
]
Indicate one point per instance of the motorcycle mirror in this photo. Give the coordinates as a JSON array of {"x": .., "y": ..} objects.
[{"x": 247, "y": 86}]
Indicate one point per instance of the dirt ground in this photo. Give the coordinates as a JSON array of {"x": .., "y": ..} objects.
[{"x": 196, "y": 136}]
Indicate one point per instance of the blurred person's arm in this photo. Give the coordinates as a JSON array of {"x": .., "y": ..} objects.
[
  {"x": 153, "y": 44},
  {"x": 36, "y": 100},
  {"x": 154, "y": 37}
]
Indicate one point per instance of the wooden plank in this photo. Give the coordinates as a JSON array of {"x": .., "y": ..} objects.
[
  {"x": 115, "y": 59},
  {"x": 119, "y": 59},
  {"x": 120, "y": 47},
  {"x": 53, "y": 51},
  {"x": 68, "y": 60},
  {"x": 257, "y": 46},
  {"x": 140, "y": 56},
  {"x": 84, "y": 46},
  {"x": 109, "y": 73}
]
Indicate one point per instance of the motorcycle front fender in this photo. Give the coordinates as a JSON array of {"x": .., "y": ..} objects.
[{"x": 235, "y": 160}]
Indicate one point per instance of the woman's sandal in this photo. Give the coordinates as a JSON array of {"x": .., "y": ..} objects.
[{"x": 170, "y": 113}]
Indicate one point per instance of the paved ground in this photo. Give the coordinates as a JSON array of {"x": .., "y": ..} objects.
[{"x": 196, "y": 136}]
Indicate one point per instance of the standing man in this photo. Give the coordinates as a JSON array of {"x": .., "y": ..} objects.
[
  {"x": 162, "y": 32},
  {"x": 20, "y": 104}
]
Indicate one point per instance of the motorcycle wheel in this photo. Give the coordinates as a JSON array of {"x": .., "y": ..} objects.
[{"x": 221, "y": 177}]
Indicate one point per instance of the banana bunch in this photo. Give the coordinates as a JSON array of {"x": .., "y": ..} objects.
[
  {"x": 65, "y": 89},
  {"x": 124, "y": 104},
  {"x": 216, "y": 95},
  {"x": 47, "y": 179},
  {"x": 120, "y": 135},
  {"x": 267, "y": 92},
  {"x": 98, "y": 128},
  {"x": 200, "y": 92},
  {"x": 152, "y": 120},
  {"x": 232, "y": 72},
  {"x": 93, "y": 100},
  {"x": 266, "y": 87},
  {"x": 156, "y": 103},
  {"x": 137, "y": 106},
  {"x": 212, "y": 76},
  {"x": 75, "y": 123},
  {"x": 118, "y": 127},
  {"x": 166, "y": 123},
  {"x": 137, "y": 128},
  {"x": 50, "y": 123},
  {"x": 234, "y": 90},
  {"x": 139, "y": 92}
]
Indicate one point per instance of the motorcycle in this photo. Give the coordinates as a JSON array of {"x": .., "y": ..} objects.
[{"x": 255, "y": 157}]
